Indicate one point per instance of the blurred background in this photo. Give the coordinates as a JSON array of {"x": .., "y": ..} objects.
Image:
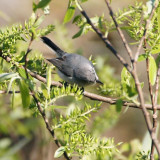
[{"x": 15, "y": 124}]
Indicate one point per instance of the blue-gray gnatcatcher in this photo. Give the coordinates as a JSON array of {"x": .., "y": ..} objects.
[{"x": 72, "y": 68}]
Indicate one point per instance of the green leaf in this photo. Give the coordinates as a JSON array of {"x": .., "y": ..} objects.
[
  {"x": 7, "y": 76},
  {"x": 95, "y": 20},
  {"x": 152, "y": 70},
  {"x": 22, "y": 73},
  {"x": 13, "y": 96},
  {"x": 158, "y": 19},
  {"x": 59, "y": 152},
  {"x": 48, "y": 80},
  {"x": 158, "y": 60},
  {"x": 24, "y": 94},
  {"x": 47, "y": 30},
  {"x": 34, "y": 6},
  {"x": 124, "y": 74},
  {"x": 4, "y": 143},
  {"x": 119, "y": 104},
  {"x": 142, "y": 84},
  {"x": 39, "y": 21},
  {"x": 128, "y": 84},
  {"x": 41, "y": 4},
  {"x": 77, "y": 19},
  {"x": 125, "y": 147},
  {"x": 44, "y": 90},
  {"x": 142, "y": 57},
  {"x": 32, "y": 18},
  {"x": 80, "y": 32},
  {"x": 100, "y": 24},
  {"x": 155, "y": 51},
  {"x": 10, "y": 83},
  {"x": 57, "y": 107},
  {"x": 84, "y": 1},
  {"x": 69, "y": 14},
  {"x": 46, "y": 10}
]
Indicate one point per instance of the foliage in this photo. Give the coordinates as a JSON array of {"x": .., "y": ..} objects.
[
  {"x": 81, "y": 143},
  {"x": 142, "y": 155},
  {"x": 18, "y": 123},
  {"x": 69, "y": 123},
  {"x": 76, "y": 140},
  {"x": 108, "y": 118}
]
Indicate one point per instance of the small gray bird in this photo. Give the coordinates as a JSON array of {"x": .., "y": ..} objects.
[{"x": 72, "y": 68}]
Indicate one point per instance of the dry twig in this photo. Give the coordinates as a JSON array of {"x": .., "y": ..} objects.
[
  {"x": 145, "y": 30},
  {"x": 120, "y": 32}
]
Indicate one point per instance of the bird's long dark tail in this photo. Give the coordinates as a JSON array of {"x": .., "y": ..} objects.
[{"x": 53, "y": 46}]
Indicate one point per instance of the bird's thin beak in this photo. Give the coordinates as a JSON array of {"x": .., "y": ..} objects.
[{"x": 98, "y": 81}]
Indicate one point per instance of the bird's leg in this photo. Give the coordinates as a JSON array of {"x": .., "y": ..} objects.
[
  {"x": 82, "y": 89},
  {"x": 65, "y": 84}
]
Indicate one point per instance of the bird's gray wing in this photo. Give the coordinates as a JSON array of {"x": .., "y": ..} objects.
[{"x": 62, "y": 66}]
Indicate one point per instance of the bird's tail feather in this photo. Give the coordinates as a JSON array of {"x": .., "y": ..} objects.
[{"x": 53, "y": 46}]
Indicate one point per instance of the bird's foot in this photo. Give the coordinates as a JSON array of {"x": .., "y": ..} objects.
[{"x": 66, "y": 84}]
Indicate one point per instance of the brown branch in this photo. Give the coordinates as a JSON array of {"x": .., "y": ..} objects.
[
  {"x": 157, "y": 84},
  {"x": 145, "y": 113},
  {"x": 133, "y": 72},
  {"x": 120, "y": 31},
  {"x": 9, "y": 92},
  {"x": 153, "y": 103},
  {"x": 86, "y": 94},
  {"x": 155, "y": 114},
  {"x": 145, "y": 31},
  {"x": 113, "y": 101},
  {"x": 96, "y": 97},
  {"x": 42, "y": 79}
]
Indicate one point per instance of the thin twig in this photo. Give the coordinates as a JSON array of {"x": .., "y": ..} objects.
[
  {"x": 145, "y": 113},
  {"x": 113, "y": 101},
  {"x": 28, "y": 51},
  {"x": 152, "y": 101},
  {"x": 145, "y": 31},
  {"x": 155, "y": 114},
  {"x": 120, "y": 32},
  {"x": 96, "y": 97},
  {"x": 105, "y": 40},
  {"x": 8, "y": 92},
  {"x": 11, "y": 92},
  {"x": 157, "y": 84}
]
